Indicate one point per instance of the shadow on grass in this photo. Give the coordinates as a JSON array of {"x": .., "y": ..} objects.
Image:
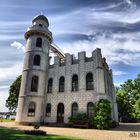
[{"x": 8, "y": 134}]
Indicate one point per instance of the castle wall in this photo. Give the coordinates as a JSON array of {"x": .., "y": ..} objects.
[
  {"x": 102, "y": 79},
  {"x": 82, "y": 97}
]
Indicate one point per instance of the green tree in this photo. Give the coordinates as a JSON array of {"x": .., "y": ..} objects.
[
  {"x": 128, "y": 99},
  {"x": 124, "y": 105},
  {"x": 102, "y": 118},
  {"x": 12, "y": 100}
]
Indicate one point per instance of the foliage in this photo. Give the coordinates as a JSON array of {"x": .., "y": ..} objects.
[
  {"x": 128, "y": 100},
  {"x": 10, "y": 134},
  {"x": 102, "y": 118},
  {"x": 12, "y": 100},
  {"x": 80, "y": 117}
]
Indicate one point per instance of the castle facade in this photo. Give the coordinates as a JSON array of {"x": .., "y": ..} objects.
[{"x": 53, "y": 93}]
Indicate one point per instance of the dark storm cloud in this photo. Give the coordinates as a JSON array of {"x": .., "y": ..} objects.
[{"x": 71, "y": 37}]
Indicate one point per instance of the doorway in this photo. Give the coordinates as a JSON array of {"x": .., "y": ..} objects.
[{"x": 60, "y": 113}]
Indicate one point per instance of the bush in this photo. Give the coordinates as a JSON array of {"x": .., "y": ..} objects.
[
  {"x": 35, "y": 132},
  {"x": 79, "y": 118},
  {"x": 102, "y": 118}
]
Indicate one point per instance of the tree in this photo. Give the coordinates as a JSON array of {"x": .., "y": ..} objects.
[
  {"x": 124, "y": 105},
  {"x": 128, "y": 99},
  {"x": 12, "y": 100},
  {"x": 102, "y": 118}
]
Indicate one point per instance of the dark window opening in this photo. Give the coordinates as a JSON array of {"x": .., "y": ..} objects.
[
  {"x": 75, "y": 83},
  {"x": 39, "y": 42},
  {"x": 74, "y": 109},
  {"x": 34, "y": 84},
  {"x": 50, "y": 84},
  {"x": 36, "y": 60},
  {"x": 40, "y": 25},
  {"x": 89, "y": 81},
  {"x": 48, "y": 110},
  {"x": 61, "y": 84},
  {"x": 31, "y": 109},
  {"x": 90, "y": 109}
]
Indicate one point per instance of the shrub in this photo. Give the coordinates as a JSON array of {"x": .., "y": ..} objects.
[
  {"x": 102, "y": 118},
  {"x": 35, "y": 132},
  {"x": 80, "y": 118}
]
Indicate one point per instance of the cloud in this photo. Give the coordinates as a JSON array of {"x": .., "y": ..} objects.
[
  {"x": 18, "y": 45},
  {"x": 118, "y": 73},
  {"x": 116, "y": 47},
  {"x": 9, "y": 73}
]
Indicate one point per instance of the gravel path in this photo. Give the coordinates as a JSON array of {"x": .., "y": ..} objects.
[{"x": 123, "y": 132}]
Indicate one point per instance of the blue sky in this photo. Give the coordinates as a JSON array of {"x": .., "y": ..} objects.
[{"x": 77, "y": 25}]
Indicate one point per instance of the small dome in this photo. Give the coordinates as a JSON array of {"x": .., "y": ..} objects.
[{"x": 40, "y": 17}]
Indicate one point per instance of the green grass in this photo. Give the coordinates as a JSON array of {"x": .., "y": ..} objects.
[
  {"x": 10, "y": 134},
  {"x": 6, "y": 120}
]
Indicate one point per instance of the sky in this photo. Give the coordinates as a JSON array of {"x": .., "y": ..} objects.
[{"x": 77, "y": 25}]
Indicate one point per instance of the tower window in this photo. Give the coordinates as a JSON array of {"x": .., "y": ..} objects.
[
  {"x": 89, "y": 81},
  {"x": 50, "y": 84},
  {"x": 90, "y": 109},
  {"x": 74, "y": 111},
  {"x": 36, "y": 61},
  {"x": 31, "y": 109},
  {"x": 75, "y": 83},
  {"x": 40, "y": 25},
  {"x": 61, "y": 84},
  {"x": 39, "y": 42},
  {"x": 34, "y": 83},
  {"x": 48, "y": 110}
]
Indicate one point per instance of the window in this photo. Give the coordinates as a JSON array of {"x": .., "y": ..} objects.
[
  {"x": 40, "y": 25},
  {"x": 48, "y": 110},
  {"x": 89, "y": 81},
  {"x": 39, "y": 42},
  {"x": 61, "y": 84},
  {"x": 75, "y": 83},
  {"x": 31, "y": 109},
  {"x": 34, "y": 83},
  {"x": 50, "y": 84},
  {"x": 36, "y": 61},
  {"x": 90, "y": 109},
  {"x": 74, "y": 109}
]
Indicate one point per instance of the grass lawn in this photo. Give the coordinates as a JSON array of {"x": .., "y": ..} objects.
[
  {"x": 6, "y": 120},
  {"x": 10, "y": 134}
]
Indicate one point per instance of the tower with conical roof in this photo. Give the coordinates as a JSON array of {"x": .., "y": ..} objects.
[{"x": 35, "y": 70}]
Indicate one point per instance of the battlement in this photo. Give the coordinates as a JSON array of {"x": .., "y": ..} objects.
[{"x": 70, "y": 59}]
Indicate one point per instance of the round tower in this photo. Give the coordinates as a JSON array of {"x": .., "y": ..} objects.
[{"x": 35, "y": 69}]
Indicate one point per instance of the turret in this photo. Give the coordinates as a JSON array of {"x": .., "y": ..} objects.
[{"x": 35, "y": 71}]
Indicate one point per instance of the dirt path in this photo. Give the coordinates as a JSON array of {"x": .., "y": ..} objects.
[{"x": 123, "y": 132}]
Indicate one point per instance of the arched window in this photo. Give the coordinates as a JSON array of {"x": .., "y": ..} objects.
[
  {"x": 39, "y": 42},
  {"x": 90, "y": 109},
  {"x": 36, "y": 61},
  {"x": 50, "y": 84},
  {"x": 74, "y": 109},
  {"x": 31, "y": 109},
  {"x": 89, "y": 81},
  {"x": 34, "y": 83},
  {"x": 48, "y": 110},
  {"x": 61, "y": 84},
  {"x": 75, "y": 83}
]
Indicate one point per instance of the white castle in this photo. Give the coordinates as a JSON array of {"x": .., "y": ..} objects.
[{"x": 53, "y": 93}]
